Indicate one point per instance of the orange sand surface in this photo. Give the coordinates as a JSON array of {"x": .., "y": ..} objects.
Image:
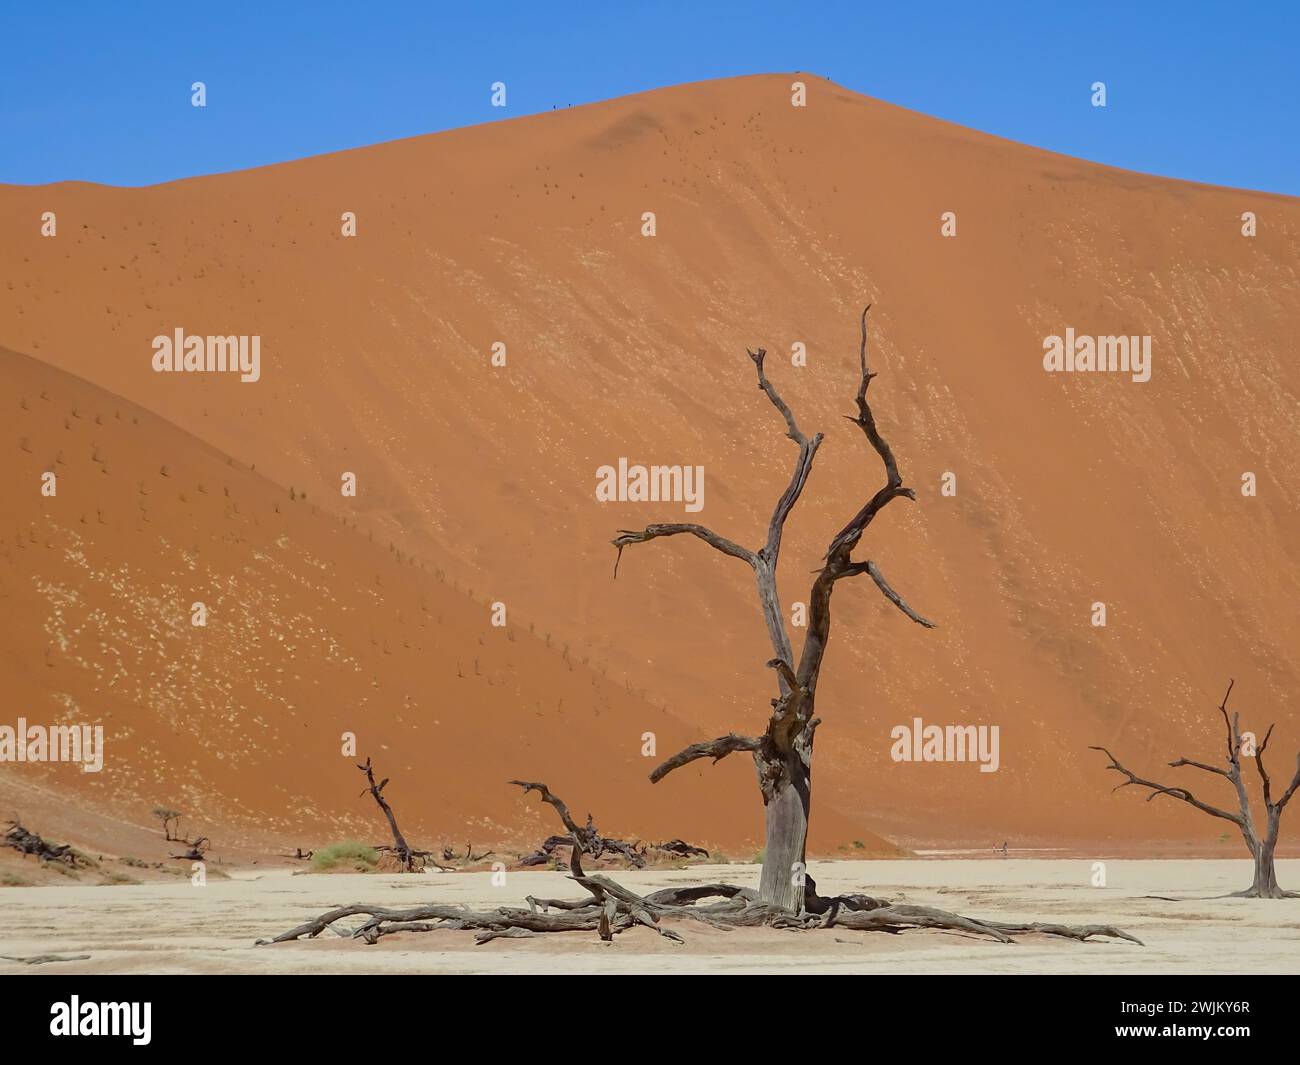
[{"x": 371, "y": 615}]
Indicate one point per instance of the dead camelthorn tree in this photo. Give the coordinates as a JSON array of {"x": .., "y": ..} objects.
[
  {"x": 168, "y": 817},
  {"x": 610, "y": 908},
  {"x": 783, "y": 754},
  {"x": 1262, "y": 848},
  {"x": 590, "y": 840},
  {"x": 412, "y": 861}
]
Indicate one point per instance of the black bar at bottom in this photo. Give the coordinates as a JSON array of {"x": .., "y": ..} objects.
[{"x": 378, "y": 1014}]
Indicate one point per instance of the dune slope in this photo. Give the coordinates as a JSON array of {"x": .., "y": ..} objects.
[{"x": 773, "y": 225}]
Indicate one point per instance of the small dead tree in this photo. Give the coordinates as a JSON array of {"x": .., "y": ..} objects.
[
  {"x": 412, "y": 861},
  {"x": 589, "y": 839},
  {"x": 168, "y": 817},
  {"x": 783, "y": 753},
  {"x": 1262, "y": 848}
]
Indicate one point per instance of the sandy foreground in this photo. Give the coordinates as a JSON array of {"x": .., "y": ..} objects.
[{"x": 178, "y": 928}]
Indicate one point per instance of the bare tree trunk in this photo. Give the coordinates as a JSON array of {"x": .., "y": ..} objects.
[
  {"x": 785, "y": 849},
  {"x": 783, "y": 754},
  {"x": 400, "y": 847},
  {"x": 1264, "y": 885}
]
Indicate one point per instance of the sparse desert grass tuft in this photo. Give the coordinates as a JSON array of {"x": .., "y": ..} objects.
[{"x": 359, "y": 856}]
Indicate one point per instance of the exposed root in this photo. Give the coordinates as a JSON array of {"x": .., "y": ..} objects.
[
  {"x": 611, "y": 909},
  {"x": 1259, "y": 893}
]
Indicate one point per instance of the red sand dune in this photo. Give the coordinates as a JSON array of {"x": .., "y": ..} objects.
[{"x": 774, "y": 225}]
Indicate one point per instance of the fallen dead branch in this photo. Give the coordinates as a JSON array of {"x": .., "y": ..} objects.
[
  {"x": 45, "y": 959},
  {"x": 197, "y": 850},
  {"x": 589, "y": 840},
  {"x": 610, "y": 909},
  {"x": 27, "y": 842},
  {"x": 679, "y": 848}
]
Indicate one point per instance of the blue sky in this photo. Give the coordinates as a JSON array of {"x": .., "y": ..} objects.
[{"x": 101, "y": 91}]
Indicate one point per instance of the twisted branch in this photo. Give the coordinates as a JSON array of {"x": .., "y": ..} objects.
[{"x": 716, "y": 749}]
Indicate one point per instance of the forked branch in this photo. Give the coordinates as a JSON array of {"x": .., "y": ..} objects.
[
  {"x": 552, "y": 800},
  {"x": 793, "y": 710},
  {"x": 1164, "y": 789},
  {"x": 847, "y": 538},
  {"x": 1261, "y": 838},
  {"x": 586, "y": 839},
  {"x": 803, "y": 465}
]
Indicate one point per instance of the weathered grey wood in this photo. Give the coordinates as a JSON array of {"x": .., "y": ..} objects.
[
  {"x": 681, "y": 896},
  {"x": 611, "y": 909},
  {"x": 786, "y": 813},
  {"x": 680, "y": 848},
  {"x": 412, "y": 860},
  {"x": 588, "y": 839},
  {"x": 652, "y": 532},
  {"x": 783, "y": 754},
  {"x": 27, "y": 842},
  {"x": 715, "y": 749},
  {"x": 198, "y": 849},
  {"x": 1262, "y": 847},
  {"x": 45, "y": 959}
]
